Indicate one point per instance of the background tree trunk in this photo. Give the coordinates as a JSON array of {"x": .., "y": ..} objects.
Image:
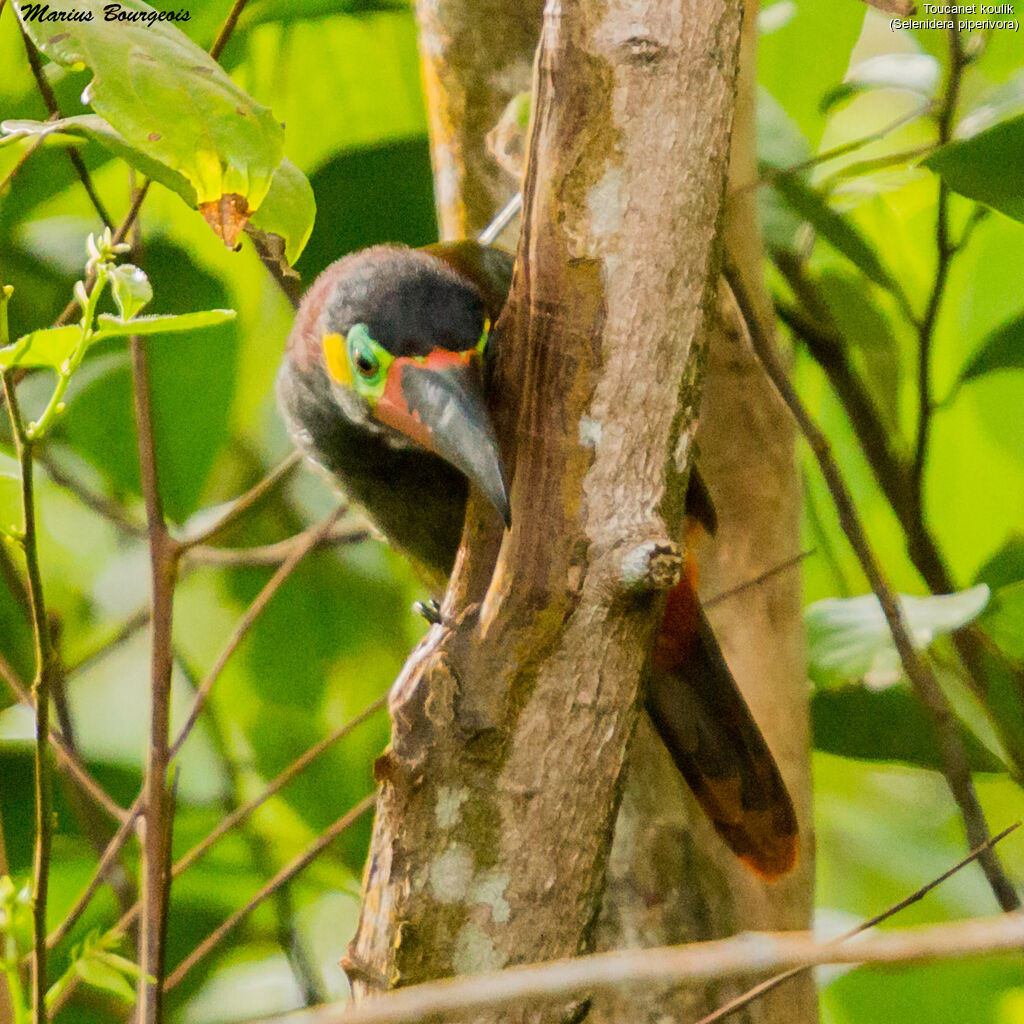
[{"x": 511, "y": 724}]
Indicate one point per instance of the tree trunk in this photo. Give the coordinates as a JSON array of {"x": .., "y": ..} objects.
[{"x": 512, "y": 721}]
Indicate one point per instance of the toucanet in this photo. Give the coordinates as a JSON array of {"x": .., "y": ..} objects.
[{"x": 383, "y": 385}]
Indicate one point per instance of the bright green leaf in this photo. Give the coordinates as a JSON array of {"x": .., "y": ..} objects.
[
  {"x": 166, "y": 323},
  {"x": 1001, "y": 349},
  {"x": 96, "y": 129},
  {"x": 849, "y": 639},
  {"x": 50, "y": 347},
  {"x": 1004, "y": 619},
  {"x": 164, "y": 94},
  {"x": 911, "y": 72},
  {"x": 93, "y": 971},
  {"x": 288, "y": 210},
  {"x": 834, "y": 227},
  {"x": 988, "y": 167},
  {"x": 132, "y": 290}
]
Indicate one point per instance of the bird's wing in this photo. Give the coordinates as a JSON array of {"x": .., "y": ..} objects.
[{"x": 702, "y": 718}]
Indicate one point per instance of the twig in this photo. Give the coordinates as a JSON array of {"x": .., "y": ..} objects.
[
  {"x": 260, "y": 856},
  {"x": 241, "y": 813},
  {"x": 113, "y": 848},
  {"x": 944, "y": 253},
  {"x": 45, "y": 666},
  {"x": 227, "y": 28},
  {"x": 954, "y": 758},
  {"x": 767, "y": 173},
  {"x": 275, "y": 554},
  {"x": 53, "y": 109},
  {"x": 312, "y": 538},
  {"x": 736, "y": 957},
  {"x": 98, "y": 503},
  {"x": 125, "y": 632},
  {"x": 158, "y": 823},
  {"x": 272, "y": 788},
  {"x": 234, "y": 509},
  {"x": 767, "y": 986},
  {"x": 501, "y": 220},
  {"x": 740, "y": 588},
  {"x": 66, "y": 757},
  {"x": 281, "y": 878}
]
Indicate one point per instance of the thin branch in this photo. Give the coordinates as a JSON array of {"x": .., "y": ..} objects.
[
  {"x": 284, "y": 876},
  {"x": 53, "y": 109},
  {"x": 931, "y": 695},
  {"x": 67, "y": 759},
  {"x": 312, "y": 538},
  {"x": 227, "y": 28},
  {"x": 232, "y": 510},
  {"x": 124, "y": 633},
  {"x": 736, "y": 957},
  {"x": 767, "y": 173},
  {"x": 945, "y": 250},
  {"x": 772, "y": 983},
  {"x": 763, "y": 577},
  {"x": 113, "y": 848},
  {"x": 501, "y": 220},
  {"x": 103, "y": 506},
  {"x": 158, "y": 823},
  {"x": 275, "y": 554},
  {"x": 240, "y": 814},
  {"x": 41, "y": 685}
]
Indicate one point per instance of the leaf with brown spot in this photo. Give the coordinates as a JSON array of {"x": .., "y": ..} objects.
[{"x": 227, "y": 215}]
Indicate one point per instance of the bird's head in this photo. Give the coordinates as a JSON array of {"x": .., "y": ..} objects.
[{"x": 400, "y": 336}]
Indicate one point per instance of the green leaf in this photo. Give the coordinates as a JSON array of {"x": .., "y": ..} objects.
[
  {"x": 51, "y": 347},
  {"x": 165, "y": 95},
  {"x": 848, "y": 638},
  {"x": 288, "y": 211},
  {"x": 132, "y": 290},
  {"x": 988, "y": 167},
  {"x": 165, "y": 323},
  {"x": 870, "y": 333},
  {"x": 1004, "y": 619},
  {"x": 93, "y": 971},
  {"x": 911, "y": 72},
  {"x": 834, "y": 227},
  {"x": 1001, "y": 349},
  {"x": 886, "y": 725},
  {"x": 93, "y": 128},
  {"x": 826, "y": 30}
]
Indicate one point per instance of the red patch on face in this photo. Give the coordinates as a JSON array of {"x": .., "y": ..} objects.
[{"x": 392, "y": 407}]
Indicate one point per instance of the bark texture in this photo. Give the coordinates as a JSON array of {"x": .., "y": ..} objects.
[
  {"x": 476, "y": 55},
  {"x": 670, "y": 879},
  {"x": 512, "y": 721}
]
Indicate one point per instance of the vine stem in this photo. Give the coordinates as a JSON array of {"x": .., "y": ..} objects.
[
  {"x": 918, "y": 671},
  {"x": 945, "y": 250},
  {"x": 41, "y": 684}
]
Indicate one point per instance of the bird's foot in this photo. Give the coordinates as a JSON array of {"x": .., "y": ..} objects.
[{"x": 430, "y": 610}]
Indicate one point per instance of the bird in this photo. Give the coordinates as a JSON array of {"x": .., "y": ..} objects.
[{"x": 383, "y": 385}]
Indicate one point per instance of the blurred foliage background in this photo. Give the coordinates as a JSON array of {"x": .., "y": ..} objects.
[{"x": 344, "y": 79}]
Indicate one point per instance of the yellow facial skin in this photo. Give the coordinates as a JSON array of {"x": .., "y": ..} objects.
[{"x": 357, "y": 362}]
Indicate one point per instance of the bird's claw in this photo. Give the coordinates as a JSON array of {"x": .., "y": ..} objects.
[{"x": 430, "y": 610}]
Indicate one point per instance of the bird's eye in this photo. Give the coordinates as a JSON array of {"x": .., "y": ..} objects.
[{"x": 366, "y": 363}]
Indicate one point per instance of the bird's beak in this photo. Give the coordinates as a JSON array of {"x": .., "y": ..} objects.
[{"x": 438, "y": 401}]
